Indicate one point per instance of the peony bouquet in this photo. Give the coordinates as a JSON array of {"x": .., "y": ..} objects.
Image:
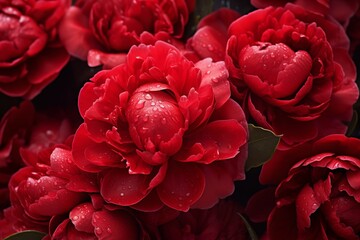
[{"x": 179, "y": 119}]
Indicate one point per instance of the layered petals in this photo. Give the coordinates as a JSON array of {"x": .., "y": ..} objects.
[{"x": 157, "y": 128}]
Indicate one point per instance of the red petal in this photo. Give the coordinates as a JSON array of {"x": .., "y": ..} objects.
[
  {"x": 81, "y": 217},
  {"x": 121, "y": 188},
  {"x": 116, "y": 225},
  {"x": 215, "y": 75},
  {"x": 260, "y": 205},
  {"x": 91, "y": 156},
  {"x": 183, "y": 185},
  {"x": 75, "y": 34}
]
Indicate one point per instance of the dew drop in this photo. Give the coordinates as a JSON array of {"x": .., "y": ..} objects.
[
  {"x": 49, "y": 132},
  {"x": 148, "y": 96},
  {"x": 109, "y": 230},
  {"x": 75, "y": 218},
  {"x": 163, "y": 120},
  {"x": 152, "y": 103},
  {"x": 140, "y": 104},
  {"x": 122, "y": 194},
  {"x": 215, "y": 80},
  {"x": 210, "y": 47},
  {"x": 137, "y": 118},
  {"x": 98, "y": 231},
  {"x": 162, "y": 106},
  {"x": 187, "y": 194},
  {"x": 146, "y": 118},
  {"x": 155, "y": 108}
]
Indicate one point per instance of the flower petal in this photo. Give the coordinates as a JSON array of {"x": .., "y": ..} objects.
[{"x": 183, "y": 185}]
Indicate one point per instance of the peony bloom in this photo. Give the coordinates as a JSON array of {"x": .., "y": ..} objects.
[
  {"x": 96, "y": 220},
  {"x": 342, "y": 11},
  {"x": 52, "y": 186},
  {"x": 14, "y": 130},
  {"x": 160, "y": 130},
  {"x": 31, "y": 54},
  {"x": 320, "y": 198},
  {"x": 102, "y": 31},
  {"x": 219, "y": 222},
  {"x": 23, "y": 136},
  {"x": 292, "y": 73}
]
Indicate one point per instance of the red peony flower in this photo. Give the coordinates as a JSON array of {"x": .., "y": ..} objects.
[
  {"x": 160, "y": 130},
  {"x": 219, "y": 222},
  {"x": 292, "y": 76},
  {"x": 342, "y": 11},
  {"x": 96, "y": 220},
  {"x": 31, "y": 54},
  {"x": 14, "y": 130},
  {"x": 102, "y": 31},
  {"x": 320, "y": 198},
  {"x": 52, "y": 186}
]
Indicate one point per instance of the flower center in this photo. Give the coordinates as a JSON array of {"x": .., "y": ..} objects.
[
  {"x": 18, "y": 34},
  {"x": 267, "y": 61},
  {"x": 153, "y": 118}
]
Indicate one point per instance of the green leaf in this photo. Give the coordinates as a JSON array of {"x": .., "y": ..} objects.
[
  {"x": 261, "y": 146},
  {"x": 26, "y": 235},
  {"x": 252, "y": 233}
]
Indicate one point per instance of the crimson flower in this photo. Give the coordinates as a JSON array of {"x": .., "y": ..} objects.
[
  {"x": 102, "y": 31},
  {"x": 160, "y": 129},
  {"x": 31, "y": 53}
]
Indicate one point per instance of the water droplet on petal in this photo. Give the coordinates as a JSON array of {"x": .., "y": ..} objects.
[
  {"x": 187, "y": 194},
  {"x": 152, "y": 103},
  {"x": 148, "y": 96},
  {"x": 146, "y": 118},
  {"x": 208, "y": 72},
  {"x": 122, "y": 194},
  {"x": 140, "y": 104},
  {"x": 210, "y": 48},
  {"x": 75, "y": 218},
  {"x": 163, "y": 120},
  {"x": 98, "y": 231},
  {"x": 215, "y": 80},
  {"x": 109, "y": 230}
]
